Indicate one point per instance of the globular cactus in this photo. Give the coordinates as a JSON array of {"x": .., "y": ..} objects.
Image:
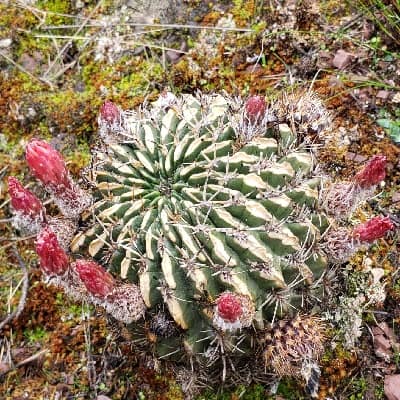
[{"x": 220, "y": 219}]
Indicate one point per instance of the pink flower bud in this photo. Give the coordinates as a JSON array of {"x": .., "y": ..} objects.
[
  {"x": 372, "y": 173},
  {"x": 255, "y": 108},
  {"x": 97, "y": 280},
  {"x": 109, "y": 112},
  {"x": 53, "y": 259},
  {"x": 23, "y": 200},
  {"x": 229, "y": 307},
  {"x": 373, "y": 229},
  {"x": 47, "y": 165}
]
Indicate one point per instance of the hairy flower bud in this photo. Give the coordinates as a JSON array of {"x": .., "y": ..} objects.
[
  {"x": 23, "y": 200},
  {"x": 233, "y": 311},
  {"x": 373, "y": 229},
  {"x": 53, "y": 259},
  {"x": 47, "y": 165},
  {"x": 372, "y": 173},
  {"x": 96, "y": 279},
  {"x": 109, "y": 112},
  {"x": 229, "y": 307},
  {"x": 255, "y": 108}
]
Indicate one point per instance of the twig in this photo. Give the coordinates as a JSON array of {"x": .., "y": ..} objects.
[
  {"x": 32, "y": 358},
  {"x": 25, "y": 286},
  {"x": 66, "y": 46},
  {"x": 22, "y": 69},
  {"x": 164, "y": 26},
  {"x": 26, "y": 361}
]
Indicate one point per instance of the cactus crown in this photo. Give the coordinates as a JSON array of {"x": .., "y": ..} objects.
[{"x": 188, "y": 209}]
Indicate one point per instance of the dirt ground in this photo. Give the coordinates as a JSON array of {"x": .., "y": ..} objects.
[{"x": 60, "y": 60}]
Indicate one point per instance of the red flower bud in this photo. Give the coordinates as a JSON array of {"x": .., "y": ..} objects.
[
  {"x": 47, "y": 165},
  {"x": 255, "y": 108},
  {"x": 373, "y": 229},
  {"x": 229, "y": 307},
  {"x": 53, "y": 259},
  {"x": 109, "y": 112},
  {"x": 97, "y": 280},
  {"x": 372, "y": 173},
  {"x": 23, "y": 200}
]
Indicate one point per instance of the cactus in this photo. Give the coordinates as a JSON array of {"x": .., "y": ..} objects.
[{"x": 211, "y": 219}]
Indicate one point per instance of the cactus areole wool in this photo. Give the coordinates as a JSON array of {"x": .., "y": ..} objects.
[{"x": 208, "y": 221}]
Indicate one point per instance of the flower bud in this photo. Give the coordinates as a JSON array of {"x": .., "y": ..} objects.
[
  {"x": 229, "y": 307},
  {"x": 372, "y": 173},
  {"x": 233, "y": 311},
  {"x": 373, "y": 229},
  {"x": 109, "y": 112},
  {"x": 23, "y": 200},
  {"x": 255, "y": 108},
  {"x": 96, "y": 279},
  {"x": 53, "y": 259},
  {"x": 47, "y": 165}
]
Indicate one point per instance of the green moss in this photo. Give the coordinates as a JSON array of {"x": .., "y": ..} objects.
[
  {"x": 252, "y": 392},
  {"x": 80, "y": 156},
  {"x": 243, "y": 11},
  {"x": 358, "y": 388},
  {"x": 55, "y": 8},
  {"x": 36, "y": 335},
  {"x": 289, "y": 389}
]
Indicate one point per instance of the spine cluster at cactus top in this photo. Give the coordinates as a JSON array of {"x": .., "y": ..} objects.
[{"x": 209, "y": 219}]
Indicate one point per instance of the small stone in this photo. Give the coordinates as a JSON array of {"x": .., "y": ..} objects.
[
  {"x": 392, "y": 387},
  {"x": 62, "y": 388},
  {"x": 383, "y": 94},
  {"x": 350, "y": 156},
  {"x": 396, "y": 197},
  {"x": 4, "y": 367},
  {"x": 102, "y": 397},
  {"x": 342, "y": 59},
  {"x": 382, "y": 347},
  {"x": 173, "y": 56},
  {"x": 4, "y": 43},
  {"x": 28, "y": 62},
  {"x": 360, "y": 158},
  {"x": 396, "y": 98}
]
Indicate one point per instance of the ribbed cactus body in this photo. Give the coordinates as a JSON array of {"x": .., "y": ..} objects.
[{"x": 188, "y": 209}]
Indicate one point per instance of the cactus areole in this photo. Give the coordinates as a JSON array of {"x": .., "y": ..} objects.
[{"x": 212, "y": 226}]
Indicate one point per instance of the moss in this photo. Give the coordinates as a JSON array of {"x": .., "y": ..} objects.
[
  {"x": 36, "y": 335},
  {"x": 243, "y": 11},
  {"x": 289, "y": 389},
  {"x": 252, "y": 392}
]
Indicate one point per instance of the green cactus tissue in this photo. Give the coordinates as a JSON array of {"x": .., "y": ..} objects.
[{"x": 207, "y": 225}]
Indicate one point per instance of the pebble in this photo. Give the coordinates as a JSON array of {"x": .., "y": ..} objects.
[
  {"x": 342, "y": 59},
  {"x": 392, "y": 387}
]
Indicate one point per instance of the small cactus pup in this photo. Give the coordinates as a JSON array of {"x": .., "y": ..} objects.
[
  {"x": 29, "y": 213},
  {"x": 208, "y": 226},
  {"x": 48, "y": 166},
  {"x": 293, "y": 348}
]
